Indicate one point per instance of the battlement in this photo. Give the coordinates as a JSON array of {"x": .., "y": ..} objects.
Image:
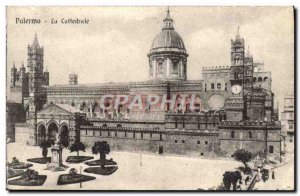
[
  {"x": 116, "y": 128},
  {"x": 193, "y": 113},
  {"x": 216, "y": 69},
  {"x": 251, "y": 124}
]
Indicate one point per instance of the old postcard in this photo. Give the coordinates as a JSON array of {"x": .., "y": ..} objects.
[{"x": 150, "y": 98}]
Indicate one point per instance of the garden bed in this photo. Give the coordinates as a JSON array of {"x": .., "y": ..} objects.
[
  {"x": 101, "y": 171},
  {"x": 10, "y": 173},
  {"x": 40, "y": 160},
  {"x": 20, "y": 166},
  {"x": 97, "y": 162},
  {"x": 73, "y": 178},
  {"x": 78, "y": 159},
  {"x": 39, "y": 181}
]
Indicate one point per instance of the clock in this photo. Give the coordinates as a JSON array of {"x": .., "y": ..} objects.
[
  {"x": 236, "y": 89},
  {"x": 216, "y": 102}
]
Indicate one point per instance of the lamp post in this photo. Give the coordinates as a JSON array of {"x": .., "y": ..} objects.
[{"x": 80, "y": 168}]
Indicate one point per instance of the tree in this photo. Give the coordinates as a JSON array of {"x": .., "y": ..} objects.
[
  {"x": 244, "y": 156},
  {"x": 103, "y": 148},
  {"x": 76, "y": 147},
  {"x": 231, "y": 178},
  {"x": 45, "y": 145}
]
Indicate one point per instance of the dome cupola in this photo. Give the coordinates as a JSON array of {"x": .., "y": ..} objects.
[{"x": 168, "y": 55}]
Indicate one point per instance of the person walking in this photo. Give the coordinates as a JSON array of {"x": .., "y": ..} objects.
[{"x": 273, "y": 174}]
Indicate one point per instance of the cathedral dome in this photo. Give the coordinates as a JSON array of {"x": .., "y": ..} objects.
[
  {"x": 168, "y": 57},
  {"x": 168, "y": 40}
]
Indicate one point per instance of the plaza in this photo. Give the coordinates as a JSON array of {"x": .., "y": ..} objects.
[{"x": 135, "y": 171}]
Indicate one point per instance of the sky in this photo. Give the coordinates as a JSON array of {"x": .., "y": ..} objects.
[{"x": 113, "y": 47}]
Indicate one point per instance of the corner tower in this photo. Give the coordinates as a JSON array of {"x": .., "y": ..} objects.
[{"x": 168, "y": 56}]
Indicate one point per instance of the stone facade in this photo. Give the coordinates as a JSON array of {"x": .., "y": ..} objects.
[
  {"x": 287, "y": 117},
  {"x": 226, "y": 94}
]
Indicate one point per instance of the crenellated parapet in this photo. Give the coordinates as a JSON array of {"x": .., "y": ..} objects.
[
  {"x": 250, "y": 124},
  {"x": 216, "y": 69}
]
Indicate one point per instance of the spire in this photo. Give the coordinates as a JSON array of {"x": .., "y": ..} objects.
[
  {"x": 168, "y": 21},
  {"x": 168, "y": 12},
  {"x": 46, "y": 69},
  {"x": 238, "y": 33},
  {"x": 22, "y": 64},
  {"x": 35, "y": 41}
]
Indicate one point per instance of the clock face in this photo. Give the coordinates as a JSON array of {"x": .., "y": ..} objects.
[
  {"x": 216, "y": 102},
  {"x": 236, "y": 89}
]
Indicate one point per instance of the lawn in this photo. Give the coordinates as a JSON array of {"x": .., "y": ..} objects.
[
  {"x": 97, "y": 162},
  {"x": 101, "y": 171},
  {"x": 11, "y": 173},
  {"x": 40, "y": 160},
  {"x": 35, "y": 182},
  {"x": 78, "y": 159},
  {"x": 75, "y": 178},
  {"x": 20, "y": 166}
]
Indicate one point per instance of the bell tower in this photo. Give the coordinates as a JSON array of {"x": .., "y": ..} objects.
[
  {"x": 35, "y": 67},
  {"x": 237, "y": 60},
  {"x": 37, "y": 81}
]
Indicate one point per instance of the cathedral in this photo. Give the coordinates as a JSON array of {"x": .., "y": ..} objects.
[{"x": 232, "y": 105}]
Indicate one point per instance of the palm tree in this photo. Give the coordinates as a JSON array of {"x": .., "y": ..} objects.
[
  {"x": 103, "y": 148},
  {"x": 76, "y": 147}
]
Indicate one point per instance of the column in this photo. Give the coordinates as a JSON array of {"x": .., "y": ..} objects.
[
  {"x": 181, "y": 69},
  {"x": 154, "y": 68},
  {"x": 91, "y": 110},
  {"x": 168, "y": 67}
]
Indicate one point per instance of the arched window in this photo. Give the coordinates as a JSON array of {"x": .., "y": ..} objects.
[
  {"x": 175, "y": 68},
  {"x": 224, "y": 134},
  {"x": 232, "y": 134},
  {"x": 151, "y": 70},
  {"x": 225, "y": 87},
  {"x": 160, "y": 65},
  {"x": 259, "y": 135},
  {"x": 236, "y": 61},
  {"x": 255, "y": 69},
  {"x": 254, "y": 79},
  {"x": 250, "y": 134},
  {"x": 265, "y": 78},
  {"x": 241, "y": 135},
  {"x": 260, "y": 79},
  {"x": 249, "y": 72}
]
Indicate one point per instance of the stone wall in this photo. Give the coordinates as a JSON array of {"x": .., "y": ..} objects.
[
  {"x": 22, "y": 133},
  {"x": 251, "y": 136},
  {"x": 144, "y": 140}
]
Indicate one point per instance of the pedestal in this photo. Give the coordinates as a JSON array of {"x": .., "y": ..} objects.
[{"x": 56, "y": 159}]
